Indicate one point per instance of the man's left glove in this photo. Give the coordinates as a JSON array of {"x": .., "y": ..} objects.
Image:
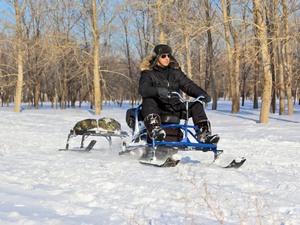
[
  {"x": 162, "y": 92},
  {"x": 206, "y": 98}
]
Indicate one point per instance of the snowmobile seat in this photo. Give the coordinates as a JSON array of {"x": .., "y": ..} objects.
[
  {"x": 130, "y": 116},
  {"x": 173, "y": 133},
  {"x": 165, "y": 119}
]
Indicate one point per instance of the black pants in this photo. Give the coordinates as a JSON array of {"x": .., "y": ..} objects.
[{"x": 153, "y": 105}]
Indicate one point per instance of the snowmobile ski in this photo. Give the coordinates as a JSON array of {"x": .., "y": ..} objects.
[
  {"x": 86, "y": 149},
  {"x": 169, "y": 162},
  {"x": 160, "y": 157},
  {"x": 236, "y": 163}
]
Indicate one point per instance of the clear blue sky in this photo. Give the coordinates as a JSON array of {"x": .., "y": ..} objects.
[{"x": 6, "y": 12}]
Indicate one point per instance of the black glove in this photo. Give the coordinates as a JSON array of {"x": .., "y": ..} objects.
[
  {"x": 206, "y": 98},
  {"x": 163, "y": 92}
]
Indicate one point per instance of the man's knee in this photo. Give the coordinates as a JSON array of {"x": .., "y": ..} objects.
[{"x": 149, "y": 106}]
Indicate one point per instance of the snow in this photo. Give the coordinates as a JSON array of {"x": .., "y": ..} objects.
[{"x": 41, "y": 185}]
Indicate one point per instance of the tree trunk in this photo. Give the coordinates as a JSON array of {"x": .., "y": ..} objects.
[
  {"x": 96, "y": 55},
  {"x": 279, "y": 58},
  {"x": 233, "y": 71},
  {"x": 235, "y": 82},
  {"x": 287, "y": 61},
  {"x": 266, "y": 62},
  {"x": 210, "y": 57},
  {"x": 188, "y": 54},
  {"x": 130, "y": 72},
  {"x": 269, "y": 14},
  {"x": 256, "y": 64},
  {"x": 160, "y": 22},
  {"x": 36, "y": 94},
  {"x": 19, "y": 86}
]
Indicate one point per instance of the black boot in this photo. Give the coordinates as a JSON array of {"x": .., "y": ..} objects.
[
  {"x": 153, "y": 125},
  {"x": 204, "y": 134}
]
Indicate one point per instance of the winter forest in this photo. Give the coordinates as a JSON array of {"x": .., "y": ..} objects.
[{"x": 67, "y": 51}]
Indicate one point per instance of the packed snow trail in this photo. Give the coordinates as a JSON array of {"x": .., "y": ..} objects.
[{"x": 40, "y": 185}]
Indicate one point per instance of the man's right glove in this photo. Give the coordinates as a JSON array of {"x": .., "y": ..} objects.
[
  {"x": 162, "y": 92},
  {"x": 206, "y": 98}
]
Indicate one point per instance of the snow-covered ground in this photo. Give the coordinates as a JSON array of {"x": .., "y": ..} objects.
[{"x": 41, "y": 185}]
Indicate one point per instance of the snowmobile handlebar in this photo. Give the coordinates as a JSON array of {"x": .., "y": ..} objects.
[{"x": 184, "y": 100}]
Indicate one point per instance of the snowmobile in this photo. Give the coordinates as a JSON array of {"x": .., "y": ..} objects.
[
  {"x": 104, "y": 127},
  {"x": 179, "y": 137}
]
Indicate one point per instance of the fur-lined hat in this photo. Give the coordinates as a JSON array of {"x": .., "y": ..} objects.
[
  {"x": 158, "y": 51},
  {"x": 150, "y": 61}
]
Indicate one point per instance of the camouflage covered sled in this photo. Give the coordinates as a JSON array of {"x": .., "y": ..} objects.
[{"x": 103, "y": 127}]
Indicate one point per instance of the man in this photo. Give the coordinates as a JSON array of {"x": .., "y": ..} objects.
[{"x": 160, "y": 75}]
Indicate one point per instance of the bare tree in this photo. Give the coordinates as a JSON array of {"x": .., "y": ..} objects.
[
  {"x": 287, "y": 59},
  {"x": 256, "y": 62},
  {"x": 132, "y": 90},
  {"x": 265, "y": 61},
  {"x": 19, "y": 9},
  {"x": 36, "y": 60},
  {"x": 269, "y": 15},
  {"x": 160, "y": 21},
  {"x": 210, "y": 55},
  {"x": 233, "y": 57},
  {"x": 91, "y": 11},
  {"x": 279, "y": 59},
  {"x": 186, "y": 31},
  {"x": 96, "y": 56}
]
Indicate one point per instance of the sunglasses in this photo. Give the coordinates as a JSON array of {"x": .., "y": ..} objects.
[{"x": 165, "y": 55}]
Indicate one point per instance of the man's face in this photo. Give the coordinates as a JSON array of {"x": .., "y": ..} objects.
[{"x": 164, "y": 60}]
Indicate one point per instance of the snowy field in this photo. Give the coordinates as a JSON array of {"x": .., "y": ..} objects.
[{"x": 41, "y": 185}]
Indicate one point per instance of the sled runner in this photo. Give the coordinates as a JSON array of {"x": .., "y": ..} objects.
[
  {"x": 103, "y": 127},
  {"x": 180, "y": 137}
]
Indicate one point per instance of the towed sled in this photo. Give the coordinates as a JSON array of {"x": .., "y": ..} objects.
[
  {"x": 180, "y": 137},
  {"x": 103, "y": 127}
]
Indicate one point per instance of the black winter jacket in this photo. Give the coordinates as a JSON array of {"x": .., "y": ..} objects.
[{"x": 171, "y": 78}]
